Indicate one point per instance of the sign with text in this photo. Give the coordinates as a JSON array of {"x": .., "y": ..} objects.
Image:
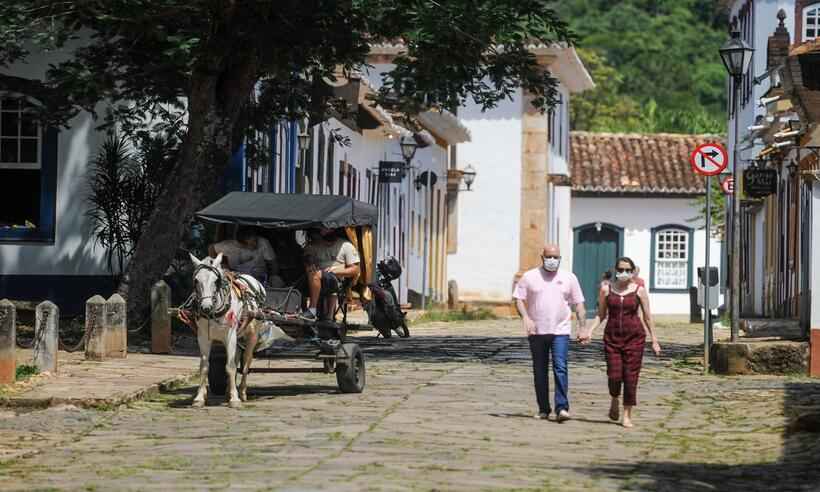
[
  {"x": 391, "y": 171},
  {"x": 758, "y": 183}
]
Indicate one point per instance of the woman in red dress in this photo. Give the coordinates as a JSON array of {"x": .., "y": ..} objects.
[{"x": 621, "y": 304}]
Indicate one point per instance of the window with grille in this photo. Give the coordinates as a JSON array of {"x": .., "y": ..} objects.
[
  {"x": 671, "y": 261},
  {"x": 811, "y": 23}
]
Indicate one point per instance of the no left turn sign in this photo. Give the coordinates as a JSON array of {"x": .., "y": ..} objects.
[{"x": 709, "y": 159}]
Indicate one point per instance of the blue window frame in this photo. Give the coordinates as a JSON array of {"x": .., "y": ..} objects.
[
  {"x": 28, "y": 165},
  {"x": 671, "y": 259}
]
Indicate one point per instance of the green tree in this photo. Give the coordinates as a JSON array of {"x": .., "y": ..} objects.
[
  {"x": 603, "y": 108},
  {"x": 717, "y": 206},
  {"x": 663, "y": 51},
  {"x": 214, "y": 54}
]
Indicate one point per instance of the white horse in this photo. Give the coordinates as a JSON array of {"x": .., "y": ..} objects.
[{"x": 222, "y": 315}]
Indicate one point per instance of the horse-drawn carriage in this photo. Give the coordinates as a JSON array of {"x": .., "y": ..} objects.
[{"x": 262, "y": 315}]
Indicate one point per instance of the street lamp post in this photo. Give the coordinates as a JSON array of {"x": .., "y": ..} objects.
[
  {"x": 736, "y": 55},
  {"x": 408, "y": 151}
]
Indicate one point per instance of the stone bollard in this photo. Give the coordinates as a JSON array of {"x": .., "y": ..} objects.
[
  {"x": 8, "y": 342},
  {"x": 94, "y": 328},
  {"x": 46, "y": 326},
  {"x": 160, "y": 318},
  {"x": 116, "y": 333}
]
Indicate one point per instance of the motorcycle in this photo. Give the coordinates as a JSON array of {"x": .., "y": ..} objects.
[{"x": 384, "y": 311}]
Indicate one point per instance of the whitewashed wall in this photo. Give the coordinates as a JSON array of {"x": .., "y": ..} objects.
[
  {"x": 638, "y": 216},
  {"x": 73, "y": 251},
  {"x": 489, "y": 216},
  {"x": 364, "y": 153}
]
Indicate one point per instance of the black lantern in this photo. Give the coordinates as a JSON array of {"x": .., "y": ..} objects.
[
  {"x": 468, "y": 175},
  {"x": 408, "y": 148},
  {"x": 304, "y": 141},
  {"x": 736, "y": 55}
]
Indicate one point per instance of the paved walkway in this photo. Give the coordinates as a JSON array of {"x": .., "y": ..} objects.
[
  {"x": 449, "y": 409},
  {"x": 99, "y": 384}
]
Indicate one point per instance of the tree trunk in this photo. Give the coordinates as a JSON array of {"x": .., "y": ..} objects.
[{"x": 214, "y": 104}]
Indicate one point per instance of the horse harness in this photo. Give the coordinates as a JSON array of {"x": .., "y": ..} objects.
[{"x": 225, "y": 282}]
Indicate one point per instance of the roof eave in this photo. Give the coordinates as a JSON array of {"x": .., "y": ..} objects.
[{"x": 570, "y": 70}]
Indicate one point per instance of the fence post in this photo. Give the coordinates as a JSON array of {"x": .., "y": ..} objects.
[
  {"x": 8, "y": 342},
  {"x": 95, "y": 328},
  {"x": 160, "y": 318},
  {"x": 46, "y": 326},
  {"x": 116, "y": 334}
]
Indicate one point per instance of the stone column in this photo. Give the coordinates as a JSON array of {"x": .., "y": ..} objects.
[
  {"x": 814, "y": 285},
  {"x": 160, "y": 319},
  {"x": 534, "y": 174},
  {"x": 47, "y": 322},
  {"x": 116, "y": 334},
  {"x": 94, "y": 328},
  {"x": 8, "y": 342}
]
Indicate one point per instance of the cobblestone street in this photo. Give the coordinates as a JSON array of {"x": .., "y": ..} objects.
[{"x": 448, "y": 409}]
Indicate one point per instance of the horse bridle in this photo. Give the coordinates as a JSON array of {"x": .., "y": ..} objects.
[{"x": 223, "y": 292}]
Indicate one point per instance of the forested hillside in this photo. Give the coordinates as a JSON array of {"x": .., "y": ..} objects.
[{"x": 655, "y": 62}]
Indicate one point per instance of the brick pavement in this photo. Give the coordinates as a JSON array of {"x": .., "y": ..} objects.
[{"x": 449, "y": 409}]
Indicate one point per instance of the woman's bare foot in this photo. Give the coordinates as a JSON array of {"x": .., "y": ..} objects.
[
  {"x": 613, "y": 409},
  {"x": 627, "y": 421}
]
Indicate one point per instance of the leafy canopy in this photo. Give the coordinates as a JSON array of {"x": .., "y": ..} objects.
[
  {"x": 655, "y": 63},
  {"x": 153, "y": 53}
]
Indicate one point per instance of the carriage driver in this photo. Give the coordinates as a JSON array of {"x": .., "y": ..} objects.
[
  {"x": 249, "y": 254},
  {"x": 328, "y": 257}
]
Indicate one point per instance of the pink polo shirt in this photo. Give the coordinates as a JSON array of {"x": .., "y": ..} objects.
[{"x": 549, "y": 296}]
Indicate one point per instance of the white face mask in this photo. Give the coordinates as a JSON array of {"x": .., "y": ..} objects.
[
  {"x": 623, "y": 276},
  {"x": 551, "y": 264}
]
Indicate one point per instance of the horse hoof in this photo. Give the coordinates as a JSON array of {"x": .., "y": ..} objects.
[
  {"x": 235, "y": 404},
  {"x": 198, "y": 403}
]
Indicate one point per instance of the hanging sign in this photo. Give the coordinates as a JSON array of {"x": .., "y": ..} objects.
[
  {"x": 391, "y": 171},
  {"x": 728, "y": 185},
  {"x": 709, "y": 159},
  {"x": 758, "y": 183}
]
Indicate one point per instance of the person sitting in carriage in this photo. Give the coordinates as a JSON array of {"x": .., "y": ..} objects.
[
  {"x": 249, "y": 254},
  {"x": 328, "y": 258}
]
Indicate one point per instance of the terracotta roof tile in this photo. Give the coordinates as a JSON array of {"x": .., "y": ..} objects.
[{"x": 635, "y": 163}]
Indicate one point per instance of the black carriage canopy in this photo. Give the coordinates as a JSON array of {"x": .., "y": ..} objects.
[{"x": 289, "y": 210}]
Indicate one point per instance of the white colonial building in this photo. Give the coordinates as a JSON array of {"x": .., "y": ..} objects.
[
  {"x": 521, "y": 198},
  {"x": 634, "y": 195},
  {"x": 46, "y": 247}
]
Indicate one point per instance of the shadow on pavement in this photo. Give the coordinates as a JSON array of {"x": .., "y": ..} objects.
[
  {"x": 797, "y": 469},
  {"x": 493, "y": 350}
]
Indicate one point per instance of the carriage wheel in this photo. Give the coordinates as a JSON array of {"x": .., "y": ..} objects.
[
  {"x": 217, "y": 374},
  {"x": 350, "y": 374}
]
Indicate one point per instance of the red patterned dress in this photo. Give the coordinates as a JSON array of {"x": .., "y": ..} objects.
[{"x": 624, "y": 339}]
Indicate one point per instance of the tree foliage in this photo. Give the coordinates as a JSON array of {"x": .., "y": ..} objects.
[
  {"x": 657, "y": 55},
  {"x": 231, "y": 64},
  {"x": 127, "y": 178},
  {"x": 717, "y": 206}
]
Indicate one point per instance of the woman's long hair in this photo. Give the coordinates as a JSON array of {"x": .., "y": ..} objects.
[{"x": 626, "y": 259}]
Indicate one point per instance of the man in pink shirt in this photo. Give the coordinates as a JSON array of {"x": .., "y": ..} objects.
[{"x": 544, "y": 297}]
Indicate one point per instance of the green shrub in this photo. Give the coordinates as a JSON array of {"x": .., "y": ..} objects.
[
  {"x": 25, "y": 372},
  {"x": 454, "y": 316}
]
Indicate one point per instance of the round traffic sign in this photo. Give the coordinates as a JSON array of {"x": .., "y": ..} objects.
[
  {"x": 728, "y": 185},
  {"x": 709, "y": 159}
]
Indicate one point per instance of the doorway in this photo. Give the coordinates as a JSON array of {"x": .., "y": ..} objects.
[{"x": 597, "y": 246}]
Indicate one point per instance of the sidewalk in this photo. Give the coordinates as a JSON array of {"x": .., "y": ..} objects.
[{"x": 91, "y": 384}]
